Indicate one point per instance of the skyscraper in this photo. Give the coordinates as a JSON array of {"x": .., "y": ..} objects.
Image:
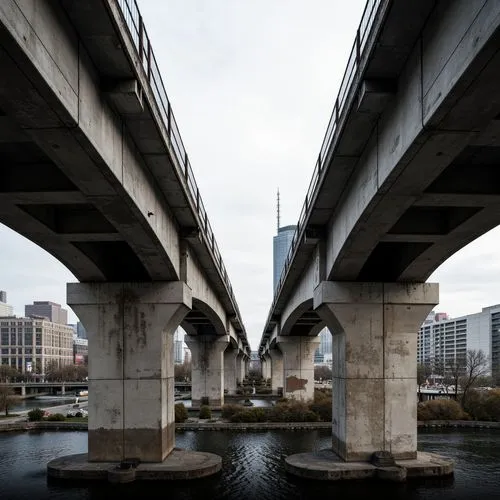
[
  {"x": 178, "y": 347},
  {"x": 281, "y": 245},
  {"x": 5, "y": 309}
]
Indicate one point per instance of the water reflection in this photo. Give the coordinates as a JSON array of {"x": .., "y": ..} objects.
[{"x": 252, "y": 468}]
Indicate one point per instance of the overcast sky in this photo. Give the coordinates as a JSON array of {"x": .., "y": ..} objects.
[{"x": 252, "y": 85}]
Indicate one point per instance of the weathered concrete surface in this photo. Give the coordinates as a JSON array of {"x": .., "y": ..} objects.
[
  {"x": 326, "y": 465},
  {"x": 241, "y": 366},
  {"x": 298, "y": 366},
  {"x": 131, "y": 367},
  {"x": 374, "y": 327},
  {"x": 180, "y": 464},
  {"x": 277, "y": 369},
  {"x": 230, "y": 372},
  {"x": 207, "y": 368}
]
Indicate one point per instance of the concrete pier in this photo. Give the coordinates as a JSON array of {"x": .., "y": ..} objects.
[
  {"x": 230, "y": 371},
  {"x": 276, "y": 358},
  {"x": 131, "y": 367},
  {"x": 298, "y": 365},
  {"x": 374, "y": 328},
  {"x": 207, "y": 369}
]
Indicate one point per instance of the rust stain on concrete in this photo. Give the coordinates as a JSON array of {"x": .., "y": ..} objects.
[{"x": 295, "y": 384}]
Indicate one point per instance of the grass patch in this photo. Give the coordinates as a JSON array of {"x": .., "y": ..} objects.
[{"x": 10, "y": 415}]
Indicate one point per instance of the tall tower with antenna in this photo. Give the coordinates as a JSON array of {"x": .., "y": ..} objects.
[
  {"x": 278, "y": 210},
  {"x": 281, "y": 244}
]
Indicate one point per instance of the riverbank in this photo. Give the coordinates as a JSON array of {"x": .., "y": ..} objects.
[{"x": 20, "y": 424}]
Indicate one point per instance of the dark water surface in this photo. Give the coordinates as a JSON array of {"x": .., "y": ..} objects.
[{"x": 252, "y": 468}]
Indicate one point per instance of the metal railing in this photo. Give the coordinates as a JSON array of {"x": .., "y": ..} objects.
[
  {"x": 357, "y": 51},
  {"x": 134, "y": 22}
]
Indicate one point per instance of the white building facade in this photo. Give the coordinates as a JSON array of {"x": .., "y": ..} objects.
[{"x": 444, "y": 340}]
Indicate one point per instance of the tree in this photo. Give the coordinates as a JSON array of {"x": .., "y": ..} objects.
[
  {"x": 454, "y": 370},
  {"x": 322, "y": 372},
  {"x": 8, "y": 373},
  {"x": 182, "y": 373},
  {"x": 7, "y": 398},
  {"x": 52, "y": 372},
  {"x": 423, "y": 371},
  {"x": 476, "y": 365},
  {"x": 65, "y": 373}
]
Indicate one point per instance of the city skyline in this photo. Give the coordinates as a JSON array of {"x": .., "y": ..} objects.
[{"x": 252, "y": 117}]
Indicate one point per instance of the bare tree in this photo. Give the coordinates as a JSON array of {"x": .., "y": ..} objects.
[
  {"x": 455, "y": 369},
  {"x": 182, "y": 373},
  {"x": 7, "y": 398},
  {"x": 322, "y": 372},
  {"x": 423, "y": 371},
  {"x": 8, "y": 373},
  {"x": 476, "y": 365}
]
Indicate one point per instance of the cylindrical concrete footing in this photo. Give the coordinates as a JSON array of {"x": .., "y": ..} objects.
[{"x": 119, "y": 475}]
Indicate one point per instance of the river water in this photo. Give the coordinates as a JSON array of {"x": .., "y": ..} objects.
[{"x": 252, "y": 468}]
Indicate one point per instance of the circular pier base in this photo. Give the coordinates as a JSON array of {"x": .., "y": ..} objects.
[
  {"x": 326, "y": 465},
  {"x": 180, "y": 464}
]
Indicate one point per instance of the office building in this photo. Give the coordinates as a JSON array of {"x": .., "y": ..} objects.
[
  {"x": 50, "y": 310},
  {"x": 178, "y": 347},
  {"x": 325, "y": 341},
  {"x": 80, "y": 331},
  {"x": 444, "y": 340},
  {"x": 5, "y": 309},
  {"x": 30, "y": 344},
  {"x": 281, "y": 246},
  {"x": 80, "y": 350}
]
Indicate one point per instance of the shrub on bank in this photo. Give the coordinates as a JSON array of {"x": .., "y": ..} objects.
[
  {"x": 263, "y": 390},
  {"x": 484, "y": 405},
  {"x": 35, "y": 415},
  {"x": 181, "y": 413},
  {"x": 250, "y": 415},
  {"x": 292, "y": 411},
  {"x": 228, "y": 410},
  {"x": 441, "y": 409},
  {"x": 205, "y": 412},
  {"x": 322, "y": 408},
  {"x": 322, "y": 393},
  {"x": 56, "y": 417}
]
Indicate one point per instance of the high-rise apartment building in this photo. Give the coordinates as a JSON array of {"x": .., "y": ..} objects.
[
  {"x": 30, "y": 344},
  {"x": 50, "y": 310},
  {"x": 443, "y": 340}
]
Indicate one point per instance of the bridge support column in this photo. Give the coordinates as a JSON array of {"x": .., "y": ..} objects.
[
  {"x": 264, "y": 363},
  {"x": 374, "y": 329},
  {"x": 23, "y": 390},
  {"x": 240, "y": 367},
  {"x": 230, "y": 371},
  {"x": 298, "y": 365},
  {"x": 207, "y": 369},
  {"x": 276, "y": 357},
  {"x": 130, "y": 328},
  {"x": 246, "y": 366}
]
